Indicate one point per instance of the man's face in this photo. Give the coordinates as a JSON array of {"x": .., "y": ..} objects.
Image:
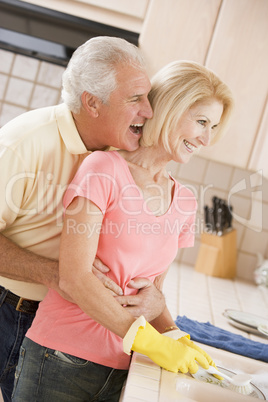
[{"x": 122, "y": 118}]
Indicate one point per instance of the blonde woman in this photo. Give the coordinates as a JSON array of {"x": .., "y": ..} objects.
[{"x": 123, "y": 207}]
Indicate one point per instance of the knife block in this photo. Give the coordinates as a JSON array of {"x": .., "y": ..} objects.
[{"x": 217, "y": 255}]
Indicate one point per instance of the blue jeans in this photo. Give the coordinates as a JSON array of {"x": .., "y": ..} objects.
[
  {"x": 13, "y": 327},
  {"x": 47, "y": 375}
]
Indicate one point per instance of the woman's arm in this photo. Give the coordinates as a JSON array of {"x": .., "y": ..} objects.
[
  {"x": 164, "y": 321},
  {"x": 78, "y": 249}
]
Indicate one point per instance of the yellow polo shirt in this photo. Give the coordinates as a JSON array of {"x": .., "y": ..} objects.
[{"x": 40, "y": 151}]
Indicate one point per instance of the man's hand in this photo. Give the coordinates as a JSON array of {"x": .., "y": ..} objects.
[
  {"x": 99, "y": 270},
  {"x": 149, "y": 301}
]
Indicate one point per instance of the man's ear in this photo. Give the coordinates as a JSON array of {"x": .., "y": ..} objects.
[{"x": 91, "y": 103}]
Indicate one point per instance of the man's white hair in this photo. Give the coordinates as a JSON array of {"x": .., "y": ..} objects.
[{"x": 92, "y": 68}]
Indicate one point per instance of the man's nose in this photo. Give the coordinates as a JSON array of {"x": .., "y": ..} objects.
[{"x": 147, "y": 110}]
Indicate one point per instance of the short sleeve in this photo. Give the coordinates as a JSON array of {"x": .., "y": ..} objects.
[
  {"x": 95, "y": 180},
  {"x": 187, "y": 234}
]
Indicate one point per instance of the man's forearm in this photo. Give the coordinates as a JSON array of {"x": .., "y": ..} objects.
[{"x": 22, "y": 265}]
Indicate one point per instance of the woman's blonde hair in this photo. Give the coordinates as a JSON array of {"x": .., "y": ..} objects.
[{"x": 175, "y": 89}]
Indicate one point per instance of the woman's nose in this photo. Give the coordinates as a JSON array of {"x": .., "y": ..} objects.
[{"x": 205, "y": 137}]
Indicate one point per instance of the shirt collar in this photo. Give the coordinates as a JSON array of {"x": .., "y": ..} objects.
[{"x": 68, "y": 130}]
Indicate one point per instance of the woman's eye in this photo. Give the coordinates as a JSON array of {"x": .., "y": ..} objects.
[{"x": 202, "y": 122}]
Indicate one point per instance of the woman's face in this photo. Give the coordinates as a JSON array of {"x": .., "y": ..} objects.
[{"x": 195, "y": 129}]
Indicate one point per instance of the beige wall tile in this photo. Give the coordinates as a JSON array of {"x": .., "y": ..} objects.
[
  {"x": 265, "y": 216},
  {"x": 3, "y": 82},
  {"x": 219, "y": 175},
  {"x": 264, "y": 189},
  {"x": 250, "y": 212},
  {"x": 44, "y": 96},
  {"x": 244, "y": 182},
  {"x": 246, "y": 263},
  {"x": 254, "y": 242},
  {"x": 194, "y": 170},
  {"x": 258, "y": 215},
  {"x": 193, "y": 187},
  {"x": 19, "y": 92},
  {"x": 189, "y": 254},
  {"x": 241, "y": 208},
  {"x": 179, "y": 254},
  {"x": 200, "y": 224},
  {"x": 25, "y": 67},
  {"x": 240, "y": 230},
  {"x": 50, "y": 74},
  {"x": 6, "y": 61}
]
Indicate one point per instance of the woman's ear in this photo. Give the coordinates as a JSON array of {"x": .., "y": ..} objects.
[{"x": 91, "y": 103}]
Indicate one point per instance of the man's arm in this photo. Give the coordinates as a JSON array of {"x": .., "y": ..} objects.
[{"x": 23, "y": 265}]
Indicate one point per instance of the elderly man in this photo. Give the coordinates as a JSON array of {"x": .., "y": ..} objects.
[{"x": 105, "y": 88}]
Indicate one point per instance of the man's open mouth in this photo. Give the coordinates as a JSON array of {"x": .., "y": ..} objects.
[{"x": 136, "y": 128}]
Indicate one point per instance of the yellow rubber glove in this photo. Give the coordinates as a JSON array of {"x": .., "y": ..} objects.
[
  {"x": 191, "y": 344},
  {"x": 173, "y": 355}
]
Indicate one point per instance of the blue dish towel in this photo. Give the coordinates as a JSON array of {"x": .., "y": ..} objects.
[{"x": 206, "y": 333}]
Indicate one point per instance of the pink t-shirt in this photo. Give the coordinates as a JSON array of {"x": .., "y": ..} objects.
[{"x": 133, "y": 243}]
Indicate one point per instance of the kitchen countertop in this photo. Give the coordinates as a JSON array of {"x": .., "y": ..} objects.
[{"x": 202, "y": 298}]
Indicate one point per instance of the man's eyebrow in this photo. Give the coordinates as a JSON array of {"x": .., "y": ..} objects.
[{"x": 136, "y": 96}]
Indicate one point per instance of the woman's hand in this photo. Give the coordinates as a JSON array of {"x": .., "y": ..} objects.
[{"x": 173, "y": 355}]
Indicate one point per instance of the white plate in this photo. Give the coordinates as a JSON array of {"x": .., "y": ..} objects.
[
  {"x": 263, "y": 329},
  {"x": 204, "y": 376},
  {"x": 246, "y": 321}
]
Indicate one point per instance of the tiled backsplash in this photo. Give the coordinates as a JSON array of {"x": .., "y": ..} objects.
[{"x": 27, "y": 83}]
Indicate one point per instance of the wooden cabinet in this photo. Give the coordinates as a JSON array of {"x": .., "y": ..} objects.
[
  {"x": 231, "y": 38},
  {"x": 178, "y": 29},
  {"x": 125, "y": 14},
  {"x": 239, "y": 54}
]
